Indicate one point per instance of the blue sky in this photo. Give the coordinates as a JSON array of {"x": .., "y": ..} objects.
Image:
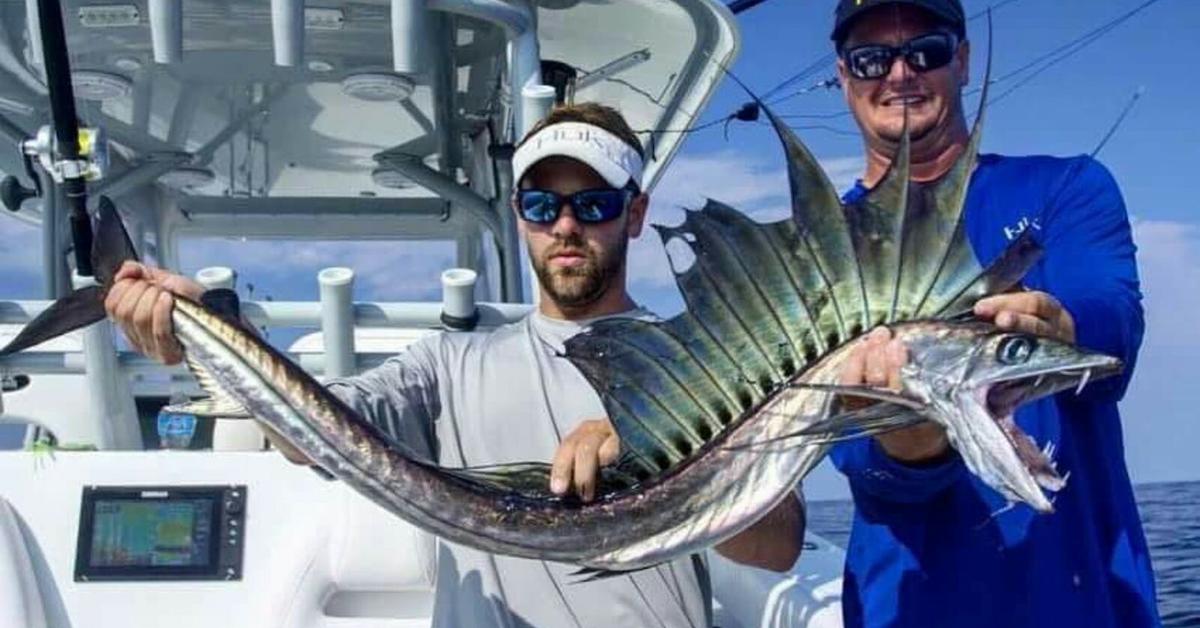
[{"x": 1064, "y": 110}]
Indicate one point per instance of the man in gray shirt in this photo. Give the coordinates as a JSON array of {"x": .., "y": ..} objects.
[{"x": 472, "y": 399}]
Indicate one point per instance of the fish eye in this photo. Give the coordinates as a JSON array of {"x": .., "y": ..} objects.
[{"x": 1016, "y": 349}]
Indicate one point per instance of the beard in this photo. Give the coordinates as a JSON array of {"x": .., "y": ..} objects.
[{"x": 584, "y": 284}]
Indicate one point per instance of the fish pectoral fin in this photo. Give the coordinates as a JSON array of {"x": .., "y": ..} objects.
[
  {"x": 869, "y": 421},
  {"x": 867, "y": 392},
  {"x": 212, "y": 407}
]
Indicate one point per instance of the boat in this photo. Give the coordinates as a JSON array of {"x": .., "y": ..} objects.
[{"x": 365, "y": 121}]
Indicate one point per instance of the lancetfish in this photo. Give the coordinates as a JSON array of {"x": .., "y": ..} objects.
[{"x": 722, "y": 409}]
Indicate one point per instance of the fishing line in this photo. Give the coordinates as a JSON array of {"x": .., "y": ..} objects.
[
  {"x": 1052, "y": 206},
  {"x": 823, "y": 127},
  {"x": 1137, "y": 94},
  {"x": 1066, "y": 51}
]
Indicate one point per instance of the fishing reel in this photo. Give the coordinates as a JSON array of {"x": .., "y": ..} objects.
[{"x": 91, "y": 165}]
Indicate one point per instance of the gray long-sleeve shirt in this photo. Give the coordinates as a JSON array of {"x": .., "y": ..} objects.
[{"x": 471, "y": 399}]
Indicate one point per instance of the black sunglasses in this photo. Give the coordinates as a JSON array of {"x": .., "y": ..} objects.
[
  {"x": 588, "y": 206},
  {"x": 922, "y": 54}
]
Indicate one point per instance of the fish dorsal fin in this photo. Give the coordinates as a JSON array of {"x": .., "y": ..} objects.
[
  {"x": 878, "y": 227},
  {"x": 767, "y": 301},
  {"x": 824, "y": 237}
]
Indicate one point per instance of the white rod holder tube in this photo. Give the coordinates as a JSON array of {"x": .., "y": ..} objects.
[
  {"x": 217, "y": 277},
  {"x": 458, "y": 299},
  {"x": 337, "y": 319},
  {"x": 539, "y": 100},
  {"x": 410, "y": 33},
  {"x": 166, "y": 30},
  {"x": 33, "y": 29},
  {"x": 287, "y": 31}
]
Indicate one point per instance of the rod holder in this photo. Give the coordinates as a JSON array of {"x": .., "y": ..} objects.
[
  {"x": 287, "y": 31},
  {"x": 214, "y": 277},
  {"x": 166, "y": 30},
  {"x": 337, "y": 319},
  {"x": 539, "y": 100},
  {"x": 410, "y": 36},
  {"x": 458, "y": 299}
]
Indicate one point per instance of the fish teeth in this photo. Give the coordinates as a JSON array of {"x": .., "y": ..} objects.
[
  {"x": 1038, "y": 382},
  {"x": 1083, "y": 381}
]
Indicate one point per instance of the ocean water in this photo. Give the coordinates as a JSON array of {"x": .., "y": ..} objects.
[{"x": 1170, "y": 514}]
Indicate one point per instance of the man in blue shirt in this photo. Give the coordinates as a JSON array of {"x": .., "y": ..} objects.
[{"x": 931, "y": 545}]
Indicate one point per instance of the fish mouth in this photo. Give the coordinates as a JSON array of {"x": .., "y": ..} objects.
[
  {"x": 1018, "y": 386},
  {"x": 1000, "y": 397}
]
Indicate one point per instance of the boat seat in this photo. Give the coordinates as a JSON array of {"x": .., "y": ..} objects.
[
  {"x": 367, "y": 531},
  {"x": 20, "y": 596}
]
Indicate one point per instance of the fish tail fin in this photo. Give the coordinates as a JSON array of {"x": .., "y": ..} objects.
[
  {"x": 78, "y": 309},
  {"x": 85, "y": 306},
  {"x": 112, "y": 246}
]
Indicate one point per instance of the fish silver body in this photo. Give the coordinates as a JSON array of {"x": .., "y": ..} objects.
[{"x": 702, "y": 502}]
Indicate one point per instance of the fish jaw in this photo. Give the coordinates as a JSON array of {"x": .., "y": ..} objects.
[
  {"x": 981, "y": 427},
  {"x": 992, "y": 448}
]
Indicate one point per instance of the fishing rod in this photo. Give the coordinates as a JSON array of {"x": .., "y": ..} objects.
[{"x": 70, "y": 154}]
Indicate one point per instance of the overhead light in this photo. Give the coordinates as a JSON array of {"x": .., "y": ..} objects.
[
  {"x": 96, "y": 85},
  {"x": 109, "y": 15},
  {"x": 128, "y": 64},
  {"x": 187, "y": 177},
  {"x": 378, "y": 86},
  {"x": 394, "y": 179},
  {"x": 391, "y": 179},
  {"x": 317, "y": 65},
  {"x": 319, "y": 19}
]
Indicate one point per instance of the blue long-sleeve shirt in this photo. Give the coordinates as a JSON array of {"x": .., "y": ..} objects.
[{"x": 925, "y": 549}]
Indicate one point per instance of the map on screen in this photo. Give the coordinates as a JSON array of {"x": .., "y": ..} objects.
[{"x": 151, "y": 533}]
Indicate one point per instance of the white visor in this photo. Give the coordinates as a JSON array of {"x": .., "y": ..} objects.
[{"x": 610, "y": 156}]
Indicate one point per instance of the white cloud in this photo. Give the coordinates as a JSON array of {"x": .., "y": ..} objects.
[
  {"x": 1158, "y": 411},
  {"x": 384, "y": 270},
  {"x": 1169, "y": 264}
]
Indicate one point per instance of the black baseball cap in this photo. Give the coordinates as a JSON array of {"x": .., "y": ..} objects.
[{"x": 949, "y": 11}]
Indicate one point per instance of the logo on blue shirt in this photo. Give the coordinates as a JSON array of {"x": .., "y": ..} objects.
[{"x": 1024, "y": 223}]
